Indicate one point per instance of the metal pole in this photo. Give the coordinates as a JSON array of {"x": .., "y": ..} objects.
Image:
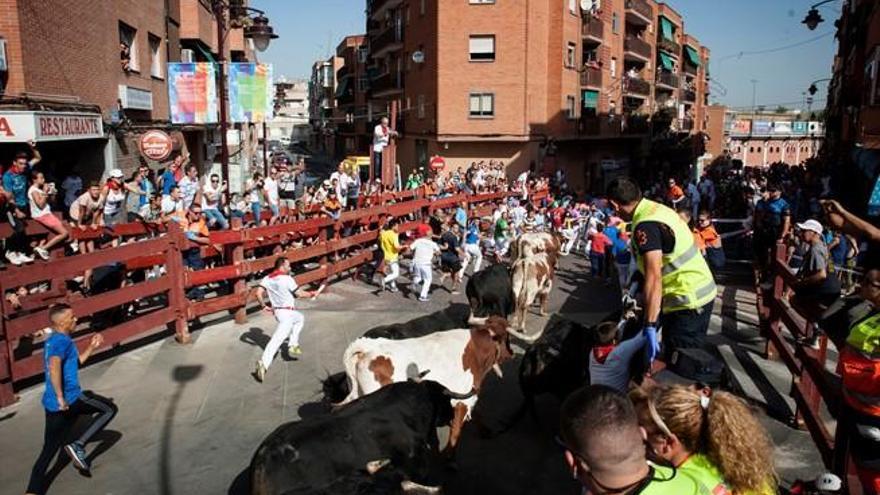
[
  {"x": 221, "y": 87},
  {"x": 265, "y": 151}
]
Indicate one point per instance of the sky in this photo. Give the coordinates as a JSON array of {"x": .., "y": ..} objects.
[{"x": 310, "y": 30}]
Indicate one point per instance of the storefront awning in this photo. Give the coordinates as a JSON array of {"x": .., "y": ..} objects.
[
  {"x": 19, "y": 126},
  {"x": 666, "y": 62},
  {"x": 692, "y": 56},
  {"x": 591, "y": 99},
  {"x": 667, "y": 29}
]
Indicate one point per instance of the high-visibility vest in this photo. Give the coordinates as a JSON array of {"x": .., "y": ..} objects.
[
  {"x": 687, "y": 280},
  {"x": 670, "y": 481},
  {"x": 701, "y": 469},
  {"x": 860, "y": 366}
]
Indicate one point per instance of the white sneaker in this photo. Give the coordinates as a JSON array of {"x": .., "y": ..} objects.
[
  {"x": 42, "y": 252},
  {"x": 25, "y": 258},
  {"x": 14, "y": 258},
  {"x": 260, "y": 372}
]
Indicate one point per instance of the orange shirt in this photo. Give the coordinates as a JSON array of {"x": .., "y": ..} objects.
[
  {"x": 708, "y": 236},
  {"x": 674, "y": 193}
]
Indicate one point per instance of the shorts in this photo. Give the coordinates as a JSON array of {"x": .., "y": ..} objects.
[
  {"x": 50, "y": 221},
  {"x": 450, "y": 263},
  {"x": 117, "y": 218}
]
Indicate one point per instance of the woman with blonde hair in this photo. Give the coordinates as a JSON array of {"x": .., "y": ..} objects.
[{"x": 712, "y": 436}]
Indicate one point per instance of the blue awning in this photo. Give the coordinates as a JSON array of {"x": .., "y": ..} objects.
[
  {"x": 591, "y": 99},
  {"x": 666, "y": 62},
  {"x": 667, "y": 29},
  {"x": 692, "y": 56}
]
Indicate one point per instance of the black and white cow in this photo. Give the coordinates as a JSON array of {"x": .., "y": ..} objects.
[{"x": 391, "y": 431}]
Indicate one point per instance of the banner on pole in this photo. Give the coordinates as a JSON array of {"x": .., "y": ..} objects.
[
  {"x": 192, "y": 93},
  {"x": 250, "y": 92}
]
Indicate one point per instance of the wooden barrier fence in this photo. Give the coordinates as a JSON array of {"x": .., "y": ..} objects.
[
  {"x": 160, "y": 301},
  {"x": 814, "y": 387}
]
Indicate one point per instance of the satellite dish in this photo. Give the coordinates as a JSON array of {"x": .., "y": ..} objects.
[
  {"x": 418, "y": 56},
  {"x": 589, "y": 5}
]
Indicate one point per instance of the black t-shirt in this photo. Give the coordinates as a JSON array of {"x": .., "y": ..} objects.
[
  {"x": 651, "y": 236},
  {"x": 449, "y": 243}
]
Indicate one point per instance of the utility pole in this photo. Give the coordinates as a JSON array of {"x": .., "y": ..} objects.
[{"x": 754, "y": 96}]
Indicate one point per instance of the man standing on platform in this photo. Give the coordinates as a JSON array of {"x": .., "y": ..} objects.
[
  {"x": 382, "y": 135},
  {"x": 282, "y": 291}
]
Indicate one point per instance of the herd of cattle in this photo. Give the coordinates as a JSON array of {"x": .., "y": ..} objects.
[{"x": 404, "y": 381}]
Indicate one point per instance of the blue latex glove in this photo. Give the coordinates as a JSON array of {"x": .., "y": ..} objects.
[{"x": 653, "y": 344}]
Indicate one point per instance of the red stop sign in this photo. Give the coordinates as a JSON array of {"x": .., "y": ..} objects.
[{"x": 437, "y": 163}]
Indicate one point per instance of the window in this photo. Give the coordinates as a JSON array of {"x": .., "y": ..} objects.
[
  {"x": 156, "y": 57},
  {"x": 615, "y": 23},
  {"x": 613, "y": 67},
  {"x": 363, "y": 53},
  {"x": 128, "y": 48},
  {"x": 421, "y": 109},
  {"x": 759, "y": 149},
  {"x": 571, "y": 107},
  {"x": 751, "y": 149},
  {"x": 482, "y": 48},
  {"x": 572, "y": 6},
  {"x": 482, "y": 105},
  {"x": 422, "y": 7},
  {"x": 569, "y": 56}
]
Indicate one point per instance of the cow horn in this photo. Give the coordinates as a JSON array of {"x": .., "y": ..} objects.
[
  {"x": 522, "y": 336},
  {"x": 477, "y": 320},
  {"x": 497, "y": 369},
  {"x": 457, "y": 396},
  {"x": 374, "y": 467},
  {"x": 412, "y": 488}
]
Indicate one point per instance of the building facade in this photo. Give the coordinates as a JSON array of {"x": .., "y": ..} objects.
[
  {"x": 761, "y": 139},
  {"x": 539, "y": 84},
  {"x": 351, "y": 114},
  {"x": 291, "y": 121},
  {"x": 111, "y": 69},
  {"x": 322, "y": 101}
]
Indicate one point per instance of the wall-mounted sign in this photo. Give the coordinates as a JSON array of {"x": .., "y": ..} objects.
[
  {"x": 155, "y": 145},
  {"x": 135, "y": 98},
  {"x": 192, "y": 93},
  {"x": 23, "y": 126},
  {"x": 437, "y": 163}
]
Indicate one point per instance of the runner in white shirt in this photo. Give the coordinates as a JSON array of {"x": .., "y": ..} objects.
[
  {"x": 282, "y": 291},
  {"x": 341, "y": 183},
  {"x": 424, "y": 250}
]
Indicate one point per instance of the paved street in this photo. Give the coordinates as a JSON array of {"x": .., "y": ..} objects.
[{"x": 191, "y": 417}]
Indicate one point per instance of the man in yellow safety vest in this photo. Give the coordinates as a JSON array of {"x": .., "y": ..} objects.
[{"x": 679, "y": 288}]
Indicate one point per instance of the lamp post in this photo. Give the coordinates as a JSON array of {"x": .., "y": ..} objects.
[
  {"x": 813, "y": 17},
  {"x": 255, "y": 28},
  {"x": 813, "y": 89}
]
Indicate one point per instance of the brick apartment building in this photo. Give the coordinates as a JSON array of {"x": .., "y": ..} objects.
[
  {"x": 350, "y": 114},
  {"x": 291, "y": 121},
  {"x": 536, "y": 84},
  {"x": 322, "y": 101},
  {"x": 60, "y": 67}
]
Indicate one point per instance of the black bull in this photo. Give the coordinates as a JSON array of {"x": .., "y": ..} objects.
[{"x": 392, "y": 430}]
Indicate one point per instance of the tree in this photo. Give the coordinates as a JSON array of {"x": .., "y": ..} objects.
[{"x": 781, "y": 109}]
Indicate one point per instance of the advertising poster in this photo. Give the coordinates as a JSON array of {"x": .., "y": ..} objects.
[
  {"x": 782, "y": 127},
  {"x": 250, "y": 92},
  {"x": 799, "y": 127},
  {"x": 192, "y": 93},
  {"x": 741, "y": 127},
  {"x": 761, "y": 127}
]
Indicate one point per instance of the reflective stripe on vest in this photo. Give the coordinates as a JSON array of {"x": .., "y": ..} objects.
[{"x": 686, "y": 278}]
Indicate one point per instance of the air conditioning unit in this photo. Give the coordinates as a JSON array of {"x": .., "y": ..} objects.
[{"x": 187, "y": 56}]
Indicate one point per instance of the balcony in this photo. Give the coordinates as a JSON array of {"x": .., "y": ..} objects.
[
  {"x": 387, "y": 84},
  {"x": 388, "y": 41},
  {"x": 636, "y": 49},
  {"x": 378, "y": 8},
  {"x": 639, "y": 12},
  {"x": 688, "y": 95},
  {"x": 591, "y": 77},
  {"x": 667, "y": 80},
  {"x": 343, "y": 72},
  {"x": 668, "y": 46},
  {"x": 637, "y": 87},
  {"x": 688, "y": 68},
  {"x": 593, "y": 29},
  {"x": 685, "y": 125}
]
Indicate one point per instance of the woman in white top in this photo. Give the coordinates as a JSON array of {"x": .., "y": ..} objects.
[
  {"x": 114, "y": 198},
  {"x": 38, "y": 197}
]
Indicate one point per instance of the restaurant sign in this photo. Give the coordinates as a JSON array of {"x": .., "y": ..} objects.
[{"x": 22, "y": 126}]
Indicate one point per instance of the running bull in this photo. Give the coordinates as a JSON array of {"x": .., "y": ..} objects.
[
  {"x": 532, "y": 281},
  {"x": 457, "y": 359},
  {"x": 387, "y": 435},
  {"x": 490, "y": 293},
  {"x": 532, "y": 243}
]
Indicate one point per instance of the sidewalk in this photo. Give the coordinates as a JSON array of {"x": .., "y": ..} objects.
[{"x": 191, "y": 417}]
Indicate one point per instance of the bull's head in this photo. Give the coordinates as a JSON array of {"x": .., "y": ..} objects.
[{"x": 498, "y": 331}]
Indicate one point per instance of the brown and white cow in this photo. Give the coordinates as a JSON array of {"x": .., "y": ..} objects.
[
  {"x": 532, "y": 243},
  {"x": 457, "y": 359},
  {"x": 532, "y": 280}
]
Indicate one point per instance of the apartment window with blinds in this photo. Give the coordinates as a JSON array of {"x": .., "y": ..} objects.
[
  {"x": 482, "y": 105},
  {"x": 482, "y": 48},
  {"x": 571, "y": 107},
  {"x": 570, "y": 56},
  {"x": 421, "y": 104}
]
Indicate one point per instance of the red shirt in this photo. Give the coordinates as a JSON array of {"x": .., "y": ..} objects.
[
  {"x": 424, "y": 230},
  {"x": 600, "y": 242}
]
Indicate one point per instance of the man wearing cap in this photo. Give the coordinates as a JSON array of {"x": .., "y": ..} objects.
[
  {"x": 817, "y": 286},
  {"x": 679, "y": 289}
]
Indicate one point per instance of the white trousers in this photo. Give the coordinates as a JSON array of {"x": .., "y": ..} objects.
[
  {"x": 423, "y": 274},
  {"x": 472, "y": 252},
  {"x": 393, "y": 271},
  {"x": 290, "y": 324}
]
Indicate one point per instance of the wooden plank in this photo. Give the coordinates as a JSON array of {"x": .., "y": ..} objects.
[
  {"x": 315, "y": 275},
  {"x": 132, "y": 329},
  {"x": 87, "y": 306},
  {"x": 209, "y": 275},
  {"x": 821, "y": 436},
  {"x": 215, "y": 304}
]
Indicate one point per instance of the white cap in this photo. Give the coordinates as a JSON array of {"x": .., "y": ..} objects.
[
  {"x": 812, "y": 225},
  {"x": 829, "y": 482},
  {"x": 116, "y": 173}
]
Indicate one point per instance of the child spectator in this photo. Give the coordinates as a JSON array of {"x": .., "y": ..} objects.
[
  {"x": 710, "y": 241},
  {"x": 610, "y": 359}
]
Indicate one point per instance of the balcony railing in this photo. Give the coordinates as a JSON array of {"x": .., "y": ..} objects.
[
  {"x": 667, "y": 79},
  {"x": 389, "y": 40},
  {"x": 688, "y": 68},
  {"x": 593, "y": 28},
  {"x": 686, "y": 124},
  {"x": 387, "y": 83},
  {"x": 668, "y": 46},
  {"x": 637, "y": 86},
  {"x": 591, "y": 76},
  {"x": 639, "y": 47},
  {"x": 640, "y": 7},
  {"x": 688, "y": 95},
  {"x": 378, "y": 7},
  {"x": 343, "y": 72}
]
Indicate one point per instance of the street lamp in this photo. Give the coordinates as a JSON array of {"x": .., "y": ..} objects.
[
  {"x": 813, "y": 17},
  {"x": 256, "y": 28},
  {"x": 813, "y": 89}
]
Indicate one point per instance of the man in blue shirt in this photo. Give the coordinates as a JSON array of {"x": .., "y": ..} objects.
[
  {"x": 14, "y": 205},
  {"x": 15, "y": 180},
  {"x": 772, "y": 224},
  {"x": 64, "y": 400}
]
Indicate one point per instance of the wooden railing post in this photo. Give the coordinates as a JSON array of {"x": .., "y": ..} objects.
[
  {"x": 235, "y": 253},
  {"x": 175, "y": 270}
]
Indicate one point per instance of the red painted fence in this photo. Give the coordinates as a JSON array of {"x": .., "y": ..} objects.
[{"x": 235, "y": 254}]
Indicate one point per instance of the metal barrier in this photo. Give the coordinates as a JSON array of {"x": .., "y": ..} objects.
[
  {"x": 162, "y": 300},
  {"x": 814, "y": 387}
]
